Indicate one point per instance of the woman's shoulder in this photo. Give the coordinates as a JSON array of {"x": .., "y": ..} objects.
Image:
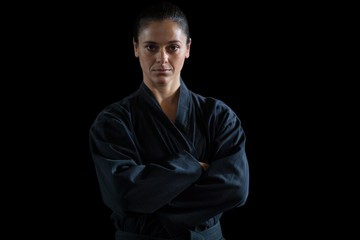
[{"x": 210, "y": 102}]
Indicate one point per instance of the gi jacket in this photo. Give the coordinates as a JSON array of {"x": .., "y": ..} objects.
[{"x": 148, "y": 167}]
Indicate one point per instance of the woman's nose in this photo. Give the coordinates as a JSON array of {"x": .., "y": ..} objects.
[{"x": 162, "y": 56}]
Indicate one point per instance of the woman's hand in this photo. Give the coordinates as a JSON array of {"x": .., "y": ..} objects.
[{"x": 204, "y": 165}]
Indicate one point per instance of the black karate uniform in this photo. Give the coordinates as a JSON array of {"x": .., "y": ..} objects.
[{"x": 148, "y": 170}]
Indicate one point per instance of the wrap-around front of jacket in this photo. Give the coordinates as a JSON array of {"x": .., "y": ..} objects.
[{"x": 148, "y": 167}]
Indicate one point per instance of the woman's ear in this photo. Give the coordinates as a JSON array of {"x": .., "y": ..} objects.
[
  {"x": 188, "y": 48},
  {"x": 135, "y": 48}
]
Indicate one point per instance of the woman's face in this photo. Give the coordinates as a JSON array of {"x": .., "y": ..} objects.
[{"x": 162, "y": 50}]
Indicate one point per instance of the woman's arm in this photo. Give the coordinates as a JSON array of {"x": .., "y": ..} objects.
[{"x": 128, "y": 185}]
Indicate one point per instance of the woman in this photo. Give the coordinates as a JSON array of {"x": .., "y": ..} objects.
[{"x": 169, "y": 161}]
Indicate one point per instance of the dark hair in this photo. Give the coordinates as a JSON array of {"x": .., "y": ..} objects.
[{"x": 159, "y": 12}]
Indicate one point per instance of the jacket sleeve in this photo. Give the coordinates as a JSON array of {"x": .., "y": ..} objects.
[
  {"x": 223, "y": 186},
  {"x": 128, "y": 185}
]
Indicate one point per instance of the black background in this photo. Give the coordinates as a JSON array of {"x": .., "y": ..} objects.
[{"x": 265, "y": 60}]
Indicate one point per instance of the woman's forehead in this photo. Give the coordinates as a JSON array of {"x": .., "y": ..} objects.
[{"x": 161, "y": 30}]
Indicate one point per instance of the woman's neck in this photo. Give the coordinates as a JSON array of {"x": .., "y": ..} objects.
[{"x": 167, "y": 96}]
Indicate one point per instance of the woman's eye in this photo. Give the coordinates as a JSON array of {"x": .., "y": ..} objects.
[
  {"x": 173, "y": 48},
  {"x": 151, "y": 48}
]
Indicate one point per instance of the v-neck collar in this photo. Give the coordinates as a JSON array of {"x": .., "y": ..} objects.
[{"x": 182, "y": 114}]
